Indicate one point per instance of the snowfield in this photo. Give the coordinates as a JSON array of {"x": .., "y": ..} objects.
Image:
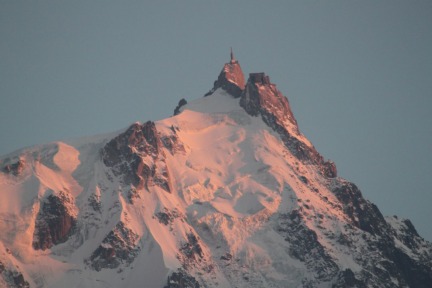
[{"x": 215, "y": 197}]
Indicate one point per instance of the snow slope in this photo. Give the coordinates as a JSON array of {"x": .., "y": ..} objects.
[{"x": 220, "y": 195}]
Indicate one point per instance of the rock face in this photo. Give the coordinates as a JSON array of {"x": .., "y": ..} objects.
[
  {"x": 119, "y": 246},
  {"x": 181, "y": 103},
  {"x": 362, "y": 213},
  {"x": 231, "y": 79},
  {"x": 262, "y": 98},
  {"x": 305, "y": 246},
  {"x": 181, "y": 279},
  {"x": 133, "y": 155},
  {"x": 12, "y": 277},
  {"x": 14, "y": 168},
  {"x": 55, "y": 221}
]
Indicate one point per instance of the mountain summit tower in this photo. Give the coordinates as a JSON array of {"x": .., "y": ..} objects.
[
  {"x": 231, "y": 78},
  {"x": 233, "y": 61}
]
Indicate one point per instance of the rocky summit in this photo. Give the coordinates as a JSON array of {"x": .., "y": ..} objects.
[{"x": 226, "y": 193}]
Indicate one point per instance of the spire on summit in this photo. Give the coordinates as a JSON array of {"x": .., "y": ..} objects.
[
  {"x": 231, "y": 78},
  {"x": 233, "y": 61}
]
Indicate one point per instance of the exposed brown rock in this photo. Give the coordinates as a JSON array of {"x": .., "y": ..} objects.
[
  {"x": 55, "y": 221},
  {"x": 262, "y": 98},
  {"x": 231, "y": 79},
  {"x": 191, "y": 250},
  {"x": 119, "y": 246},
  {"x": 259, "y": 78},
  {"x": 329, "y": 169},
  {"x": 126, "y": 153}
]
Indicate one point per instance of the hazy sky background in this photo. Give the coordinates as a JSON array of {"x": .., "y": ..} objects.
[{"x": 358, "y": 75}]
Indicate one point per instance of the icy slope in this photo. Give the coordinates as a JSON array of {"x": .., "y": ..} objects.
[{"x": 228, "y": 193}]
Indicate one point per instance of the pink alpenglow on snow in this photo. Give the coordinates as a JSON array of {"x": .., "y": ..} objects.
[{"x": 226, "y": 193}]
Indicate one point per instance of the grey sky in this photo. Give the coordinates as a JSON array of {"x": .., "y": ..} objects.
[{"x": 358, "y": 75}]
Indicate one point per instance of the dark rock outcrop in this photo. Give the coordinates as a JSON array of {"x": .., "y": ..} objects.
[
  {"x": 119, "y": 246},
  {"x": 181, "y": 103},
  {"x": 375, "y": 245},
  {"x": 363, "y": 214},
  {"x": 55, "y": 221},
  {"x": 304, "y": 246},
  {"x": 181, "y": 279},
  {"x": 407, "y": 234},
  {"x": 12, "y": 277},
  {"x": 347, "y": 279},
  {"x": 167, "y": 217},
  {"x": 384, "y": 260},
  {"x": 133, "y": 156},
  {"x": 192, "y": 249},
  {"x": 172, "y": 143},
  {"x": 262, "y": 98},
  {"x": 191, "y": 255},
  {"x": 95, "y": 203},
  {"x": 414, "y": 270},
  {"x": 329, "y": 169},
  {"x": 14, "y": 168},
  {"x": 408, "y": 271}
]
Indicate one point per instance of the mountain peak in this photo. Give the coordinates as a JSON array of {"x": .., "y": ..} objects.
[
  {"x": 228, "y": 193},
  {"x": 261, "y": 94},
  {"x": 231, "y": 78},
  {"x": 261, "y": 98}
]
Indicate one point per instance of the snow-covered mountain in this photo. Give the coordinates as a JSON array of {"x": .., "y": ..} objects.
[{"x": 226, "y": 193}]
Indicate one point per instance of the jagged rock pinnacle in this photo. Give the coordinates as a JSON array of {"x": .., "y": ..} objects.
[
  {"x": 231, "y": 78},
  {"x": 181, "y": 103},
  {"x": 261, "y": 94},
  {"x": 261, "y": 98}
]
